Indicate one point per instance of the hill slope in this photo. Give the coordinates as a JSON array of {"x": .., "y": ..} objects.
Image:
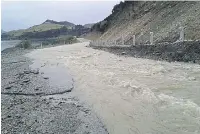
[
  {"x": 64, "y": 23},
  {"x": 89, "y": 25},
  {"x": 163, "y": 18},
  {"x": 36, "y": 28},
  {"x": 47, "y": 29},
  {"x": 2, "y": 31}
]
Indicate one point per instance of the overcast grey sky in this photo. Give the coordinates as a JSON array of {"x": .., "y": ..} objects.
[{"x": 24, "y": 14}]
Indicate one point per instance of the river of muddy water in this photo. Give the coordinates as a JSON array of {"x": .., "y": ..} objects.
[{"x": 132, "y": 95}]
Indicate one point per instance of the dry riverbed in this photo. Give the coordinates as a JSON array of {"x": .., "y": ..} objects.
[
  {"x": 34, "y": 100},
  {"x": 131, "y": 95}
]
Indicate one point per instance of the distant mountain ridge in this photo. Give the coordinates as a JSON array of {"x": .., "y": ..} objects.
[
  {"x": 2, "y": 31},
  {"x": 65, "y": 23},
  {"x": 47, "y": 29},
  {"x": 89, "y": 25}
]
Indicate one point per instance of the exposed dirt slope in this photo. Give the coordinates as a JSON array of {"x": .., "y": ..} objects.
[{"x": 162, "y": 17}]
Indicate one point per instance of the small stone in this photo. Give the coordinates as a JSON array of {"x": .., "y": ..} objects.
[
  {"x": 26, "y": 80},
  {"x": 27, "y": 72},
  {"x": 8, "y": 116},
  {"x": 52, "y": 121},
  {"x": 61, "y": 102},
  {"x": 86, "y": 111},
  {"x": 123, "y": 53},
  {"x": 5, "y": 132},
  {"x": 79, "y": 106},
  {"x": 8, "y": 87},
  {"x": 46, "y": 77},
  {"x": 11, "y": 82},
  {"x": 18, "y": 116},
  {"x": 21, "y": 122},
  {"x": 35, "y": 71},
  {"x": 192, "y": 78},
  {"x": 36, "y": 89}
]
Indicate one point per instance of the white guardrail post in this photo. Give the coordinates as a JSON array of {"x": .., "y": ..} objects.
[
  {"x": 151, "y": 38},
  {"x": 133, "y": 40},
  {"x": 181, "y": 39},
  {"x": 122, "y": 39}
]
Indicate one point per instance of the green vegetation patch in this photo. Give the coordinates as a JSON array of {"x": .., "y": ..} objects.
[{"x": 24, "y": 44}]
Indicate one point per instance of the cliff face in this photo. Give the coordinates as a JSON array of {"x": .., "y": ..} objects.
[{"x": 163, "y": 18}]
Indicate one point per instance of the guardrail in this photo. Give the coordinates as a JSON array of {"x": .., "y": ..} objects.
[{"x": 130, "y": 40}]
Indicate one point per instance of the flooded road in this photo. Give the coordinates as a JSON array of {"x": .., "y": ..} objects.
[{"x": 132, "y": 95}]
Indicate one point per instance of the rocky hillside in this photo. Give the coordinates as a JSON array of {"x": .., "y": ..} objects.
[{"x": 163, "y": 18}]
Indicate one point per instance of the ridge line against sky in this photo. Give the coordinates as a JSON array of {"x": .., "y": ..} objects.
[{"x": 24, "y": 14}]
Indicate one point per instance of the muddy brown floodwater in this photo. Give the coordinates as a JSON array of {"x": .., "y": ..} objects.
[{"x": 132, "y": 95}]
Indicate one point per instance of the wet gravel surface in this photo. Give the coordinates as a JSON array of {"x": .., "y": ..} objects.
[{"x": 31, "y": 105}]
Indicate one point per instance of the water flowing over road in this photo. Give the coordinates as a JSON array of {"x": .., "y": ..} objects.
[{"x": 132, "y": 95}]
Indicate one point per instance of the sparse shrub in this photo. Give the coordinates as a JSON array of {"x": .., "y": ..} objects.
[
  {"x": 70, "y": 40},
  {"x": 45, "y": 43},
  {"x": 24, "y": 44}
]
